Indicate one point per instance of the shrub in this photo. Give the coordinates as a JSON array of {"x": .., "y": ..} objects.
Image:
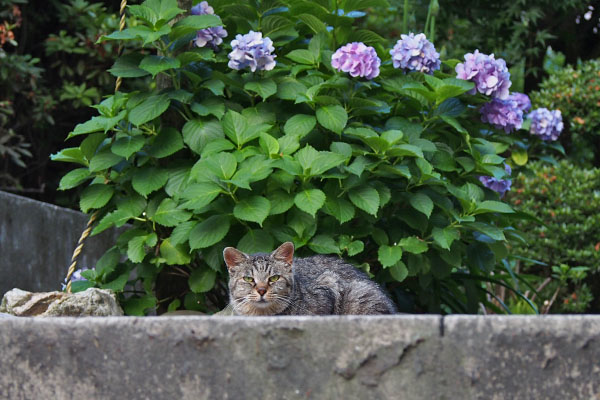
[
  {"x": 566, "y": 199},
  {"x": 373, "y": 164},
  {"x": 576, "y": 92}
]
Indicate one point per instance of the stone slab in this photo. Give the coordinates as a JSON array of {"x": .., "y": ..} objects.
[
  {"x": 37, "y": 241},
  {"x": 350, "y": 357}
]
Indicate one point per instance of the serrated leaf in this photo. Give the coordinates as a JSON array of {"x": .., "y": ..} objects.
[
  {"x": 414, "y": 245},
  {"x": 74, "y": 178},
  {"x": 299, "y": 125},
  {"x": 146, "y": 180},
  {"x": 95, "y": 196},
  {"x": 127, "y": 66},
  {"x": 310, "y": 200},
  {"x": 389, "y": 255},
  {"x": 127, "y": 145},
  {"x": 210, "y": 231},
  {"x": 104, "y": 159},
  {"x": 156, "y": 64},
  {"x": 445, "y": 237},
  {"x": 199, "y": 195},
  {"x": 202, "y": 280},
  {"x": 339, "y": 208},
  {"x": 256, "y": 241},
  {"x": 280, "y": 202},
  {"x": 490, "y": 206},
  {"x": 314, "y": 23},
  {"x": 198, "y": 134},
  {"x": 118, "y": 284},
  {"x": 234, "y": 126},
  {"x": 116, "y": 218},
  {"x": 366, "y": 198},
  {"x": 254, "y": 208},
  {"x": 150, "y": 108},
  {"x": 398, "y": 271},
  {"x": 174, "y": 255},
  {"x": 323, "y": 244},
  {"x": 302, "y": 56},
  {"x": 167, "y": 142},
  {"x": 265, "y": 88},
  {"x": 332, "y": 117},
  {"x": 168, "y": 213},
  {"x": 421, "y": 202}
]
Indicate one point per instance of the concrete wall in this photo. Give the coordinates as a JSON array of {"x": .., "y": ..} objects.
[
  {"x": 37, "y": 241},
  {"x": 390, "y": 357}
]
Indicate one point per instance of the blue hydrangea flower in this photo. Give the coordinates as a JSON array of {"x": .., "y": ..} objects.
[
  {"x": 502, "y": 114},
  {"x": 491, "y": 77},
  {"x": 211, "y": 37},
  {"x": 546, "y": 124},
  {"x": 498, "y": 185},
  {"x": 522, "y": 101},
  {"x": 252, "y": 50},
  {"x": 357, "y": 59},
  {"x": 415, "y": 53}
]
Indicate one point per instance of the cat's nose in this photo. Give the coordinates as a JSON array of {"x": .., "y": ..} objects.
[{"x": 261, "y": 290}]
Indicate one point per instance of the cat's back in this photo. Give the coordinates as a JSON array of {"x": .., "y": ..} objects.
[{"x": 349, "y": 290}]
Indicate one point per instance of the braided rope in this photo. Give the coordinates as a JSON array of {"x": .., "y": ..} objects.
[{"x": 94, "y": 216}]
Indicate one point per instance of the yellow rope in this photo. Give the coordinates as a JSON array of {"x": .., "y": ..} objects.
[{"x": 94, "y": 216}]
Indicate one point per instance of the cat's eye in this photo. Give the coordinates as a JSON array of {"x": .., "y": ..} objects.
[
  {"x": 274, "y": 278},
  {"x": 249, "y": 279}
]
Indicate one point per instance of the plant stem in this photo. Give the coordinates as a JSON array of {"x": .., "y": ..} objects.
[{"x": 428, "y": 19}]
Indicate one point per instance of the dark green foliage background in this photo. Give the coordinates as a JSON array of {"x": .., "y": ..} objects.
[{"x": 566, "y": 199}]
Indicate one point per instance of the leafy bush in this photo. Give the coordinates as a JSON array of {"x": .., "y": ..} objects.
[
  {"x": 383, "y": 172},
  {"x": 576, "y": 92},
  {"x": 566, "y": 199}
]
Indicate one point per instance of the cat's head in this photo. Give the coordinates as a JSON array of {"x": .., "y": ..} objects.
[{"x": 260, "y": 284}]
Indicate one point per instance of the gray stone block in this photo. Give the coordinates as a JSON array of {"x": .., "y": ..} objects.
[
  {"x": 350, "y": 357},
  {"x": 219, "y": 357},
  {"x": 37, "y": 241},
  {"x": 523, "y": 357}
]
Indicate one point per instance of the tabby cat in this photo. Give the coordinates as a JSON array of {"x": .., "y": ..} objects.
[{"x": 278, "y": 284}]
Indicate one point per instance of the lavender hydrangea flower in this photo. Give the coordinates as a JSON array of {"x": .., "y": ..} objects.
[
  {"x": 357, "y": 59},
  {"x": 498, "y": 185},
  {"x": 546, "y": 124},
  {"x": 491, "y": 77},
  {"x": 502, "y": 114},
  {"x": 208, "y": 36},
  {"x": 522, "y": 101},
  {"x": 252, "y": 50},
  {"x": 415, "y": 53}
]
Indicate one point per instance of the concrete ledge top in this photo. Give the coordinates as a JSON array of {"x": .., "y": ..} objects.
[{"x": 348, "y": 357}]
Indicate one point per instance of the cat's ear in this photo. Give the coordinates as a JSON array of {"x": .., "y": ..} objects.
[
  {"x": 284, "y": 253},
  {"x": 233, "y": 257}
]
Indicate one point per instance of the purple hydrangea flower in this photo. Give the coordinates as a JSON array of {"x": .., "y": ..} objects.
[
  {"x": 208, "y": 36},
  {"x": 502, "y": 114},
  {"x": 252, "y": 50},
  {"x": 546, "y": 124},
  {"x": 491, "y": 77},
  {"x": 522, "y": 101},
  {"x": 415, "y": 53},
  {"x": 357, "y": 59},
  {"x": 498, "y": 185}
]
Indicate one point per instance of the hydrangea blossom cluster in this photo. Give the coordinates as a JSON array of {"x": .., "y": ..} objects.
[
  {"x": 522, "y": 100},
  {"x": 546, "y": 124},
  {"x": 503, "y": 114},
  {"x": 252, "y": 50},
  {"x": 415, "y": 53},
  {"x": 498, "y": 185},
  {"x": 491, "y": 77},
  {"x": 208, "y": 36},
  {"x": 357, "y": 59}
]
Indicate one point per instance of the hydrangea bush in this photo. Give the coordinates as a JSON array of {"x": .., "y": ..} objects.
[{"x": 295, "y": 128}]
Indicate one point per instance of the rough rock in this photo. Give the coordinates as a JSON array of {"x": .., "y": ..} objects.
[{"x": 91, "y": 302}]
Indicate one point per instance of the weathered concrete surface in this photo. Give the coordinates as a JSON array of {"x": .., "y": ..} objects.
[
  {"x": 387, "y": 357},
  {"x": 37, "y": 241},
  {"x": 520, "y": 357},
  {"x": 218, "y": 358},
  {"x": 90, "y": 302}
]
